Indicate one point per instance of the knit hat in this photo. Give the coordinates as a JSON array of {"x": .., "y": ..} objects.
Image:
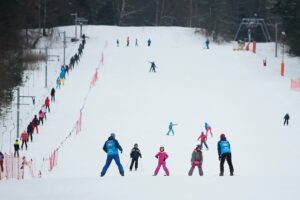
[
  {"x": 113, "y": 135},
  {"x": 222, "y": 135}
]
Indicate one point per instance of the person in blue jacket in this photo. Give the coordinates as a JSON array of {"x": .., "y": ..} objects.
[
  {"x": 111, "y": 147},
  {"x": 208, "y": 129},
  {"x": 171, "y": 128},
  {"x": 224, "y": 154}
]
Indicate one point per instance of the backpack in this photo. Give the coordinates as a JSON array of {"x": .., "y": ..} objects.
[{"x": 111, "y": 147}]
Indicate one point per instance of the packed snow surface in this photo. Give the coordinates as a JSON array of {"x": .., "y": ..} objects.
[{"x": 231, "y": 90}]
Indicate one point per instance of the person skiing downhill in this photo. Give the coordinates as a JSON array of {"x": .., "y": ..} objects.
[
  {"x": 30, "y": 131},
  {"x": 196, "y": 160},
  {"x": 111, "y": 147},
  {"x": 203, "y": 139},
  {"x": 286, "y": 119},
  {"x": 149, "y": 42},
  {"x": 118, "y": 43},
  {"x": 162, "y": 157},
  {"x": 152, "y": 67},
  {"x": 224, "y": 152},
  {"x": 135, "y": 154},
  {"x": 207, "y": 43},
  {"x": 171, "y": 128},
  {"x": 127, "y": 42},
  {"x": 208, "y": 129}
]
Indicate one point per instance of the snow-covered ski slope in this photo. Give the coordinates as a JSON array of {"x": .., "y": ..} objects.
[{"x": 230, "y": 90}]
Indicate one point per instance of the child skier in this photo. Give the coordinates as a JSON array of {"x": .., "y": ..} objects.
[
  {"x": 161, "y": 156},
  {"x": 135, "y": 154},
  {"x": 58, "y": 83},
  {"x": 41, "y": 117},
  {"x": 171, "y": 128},
  {"x": 207, "y": 128},
  {"x": 47, "y": 103},
  {"x": 52, "y": 93},
  {"x": 17, "y": 148},
  {"x": 35, "y": 124},
  {"x": 203, "y": 139},
  {"x": 196, "y": 160},
  {"x": 24, "y": 139}
]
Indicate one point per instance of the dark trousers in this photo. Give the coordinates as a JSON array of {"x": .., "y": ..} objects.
[
  {"x": 30, "y": 136},
  {"x": 16, "y": 154},
  {"x": 48, "y": 108},
  {"x": 201, "y": 144},
  {"x": 134, "y": 161},
  {"x": 41, "y": 120},
  {"x": 1, "y": 166},
  {"x": 199, "y": 169},
  {"x": 53, "y": 96},
  {"x": 286, "y": 122},
  {"x": 227, "y": 157},
  {"x": 24, "y": 142}
]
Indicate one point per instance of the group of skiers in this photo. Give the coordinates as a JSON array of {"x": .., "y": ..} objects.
[
  {"x": 66, "y": 68},
  {"x": 136, "y": 42},
  {"x": 42, "y": 114},
  {"x": 112, "y": 148},
  {"x": 37, "y": 120}
]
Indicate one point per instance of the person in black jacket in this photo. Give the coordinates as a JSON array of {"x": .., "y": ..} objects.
[
  {"x": 35, "y": 124},
  {"x": 30, "y": 131},
  {"x": 17, "y": 148},
  {"x": 53, "y": 93},
  {"x": 135, "y": 154},
  {"x": 286, "y": 119}
]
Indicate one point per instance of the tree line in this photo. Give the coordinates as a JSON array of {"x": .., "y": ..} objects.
[{"x": 24, "y": 22}]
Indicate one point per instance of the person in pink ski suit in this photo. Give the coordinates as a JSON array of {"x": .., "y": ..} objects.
[{"x": 161, "y": 156}]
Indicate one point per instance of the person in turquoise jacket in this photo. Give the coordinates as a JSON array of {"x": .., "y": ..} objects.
[
  {"x": 111, "y": 147},
  {"x": 224, "y": 152}
]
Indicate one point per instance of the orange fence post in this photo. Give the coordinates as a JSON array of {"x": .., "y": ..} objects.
[{"x": 282, "y": 69}]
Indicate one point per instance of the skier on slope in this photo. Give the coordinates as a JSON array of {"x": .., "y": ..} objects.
[
  {"x": 207, "y": 129},
  {"x": 203, "y": 140},
  {"x": 35, "y": 124},
  {"x": 111, "y": 147},
  {"x": 162, "y": 157},
  {"x": 41, "y": 117},
  {"x": 30, "y": 130},
  {"x": 52, "y": 93},
  {"x": 47, "y": 103},
  {"x": 58, "y": 83},
  {"x": 16, "y": 148},
  {"x": 135, "y": 154},
  {"x": 196, "y": 160},
  {"x": 24, "y": 139},
  {"x": 286, "y": 119},
  {"x": 224, "y": 152},
  {"x": 149, "y": 42},
  {"x": 171, "y": 128},
  {"x": 207, "y": 43},
  {"x": 152, "y": 67}
]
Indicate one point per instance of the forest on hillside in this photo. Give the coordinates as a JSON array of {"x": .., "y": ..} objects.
[{"x": 24, "y": 22}]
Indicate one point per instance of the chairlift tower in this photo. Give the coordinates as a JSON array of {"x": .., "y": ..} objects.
[{"x": 251, "y": 23}]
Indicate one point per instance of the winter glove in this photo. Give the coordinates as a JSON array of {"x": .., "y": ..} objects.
[
  {"x": 219, "y": 157},
  {"x": 121, "y": 151},
  {"x": 156, "y": 156}
]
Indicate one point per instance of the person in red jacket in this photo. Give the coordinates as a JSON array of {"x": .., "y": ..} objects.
[
  {"x": 203, "y": 139},
  {"x": 47, "y": 103},
  {"x": 24, "y": 139}
]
